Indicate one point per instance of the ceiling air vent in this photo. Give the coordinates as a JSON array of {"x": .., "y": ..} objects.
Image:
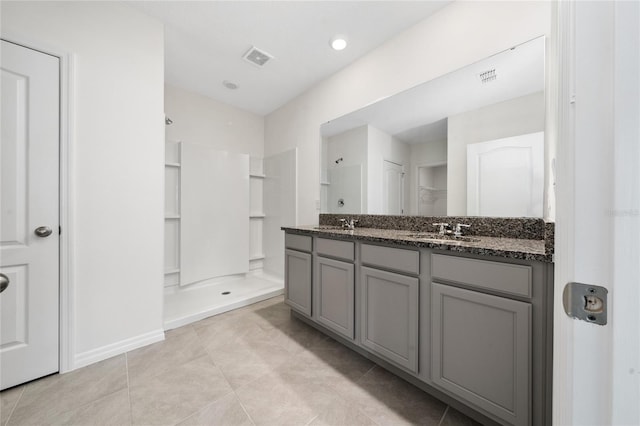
[
  {"x": 257, "y": 57},
  {"x": 488, "y": 76}
]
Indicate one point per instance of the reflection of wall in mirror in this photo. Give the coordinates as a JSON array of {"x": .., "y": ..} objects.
[
  {"x": 522, "y": 115},
  {"x": 425, "y": 155},
  {"x": 344, "y": 193},
  {"x": 432, "y": 190},
  {"x": 346, "y": 153},
  {"x": 368, "y": 148}
]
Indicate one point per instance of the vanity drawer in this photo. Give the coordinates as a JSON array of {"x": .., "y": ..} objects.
[
  {"x": 401, "y": 260},
  {"x": 334, "y": 248},
  {"x": 503, "y": 277},
  {"x": 297, "y": 242}
]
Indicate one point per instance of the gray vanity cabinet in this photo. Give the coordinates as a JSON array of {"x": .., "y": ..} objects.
[
  {"x": 389, "y": 305},
  {"x": 334, "y": 285},
  {"x": 334, "y": 295},
  {"x": 297, "y": 271},
  {"x": 481, "y": 344},
  {"x": 475, "y": 328}
]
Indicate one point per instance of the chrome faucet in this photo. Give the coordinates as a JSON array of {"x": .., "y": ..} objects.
[
  {"x": 349, "y": 223},
  {"x": 458, "y": 230},
  {"x": 443, "y": 228}
]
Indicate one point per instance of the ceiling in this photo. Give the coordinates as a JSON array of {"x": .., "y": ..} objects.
[{"x": 206, "y": 40}]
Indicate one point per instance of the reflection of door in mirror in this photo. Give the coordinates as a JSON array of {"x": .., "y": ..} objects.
[
  {"x": 505, "y": 177},
  {"x": 393, "y": 188}
]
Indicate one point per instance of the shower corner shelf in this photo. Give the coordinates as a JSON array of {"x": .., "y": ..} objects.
[
  {"x": 256, "y": 215},
  {"x": 257, "y": 175},
  {"x": 171, "y": 216},
  {"x": 171, "y": 271},
  {"x": 172, "y": 164}
]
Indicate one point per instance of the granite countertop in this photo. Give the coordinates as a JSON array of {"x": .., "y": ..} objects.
[{"x": 513, "y": 248}]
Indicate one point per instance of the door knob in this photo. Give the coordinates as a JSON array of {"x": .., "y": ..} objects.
[
  {"x": 4, "y": 282},
  {"x": 43, "y": 231}
]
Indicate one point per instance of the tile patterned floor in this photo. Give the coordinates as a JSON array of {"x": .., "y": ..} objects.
[{"x": 253, "y": 366}]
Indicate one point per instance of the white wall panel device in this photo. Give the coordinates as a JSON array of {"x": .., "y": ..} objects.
[{"x": 214, "y": 201}]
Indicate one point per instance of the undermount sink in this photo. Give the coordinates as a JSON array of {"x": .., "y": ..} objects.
[{"x": 448, "y": 239}]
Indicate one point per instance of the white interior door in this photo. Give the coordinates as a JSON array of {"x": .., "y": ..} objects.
[
  {"x": 505, "y": 177},
  {"x": 29, "y": 206},
  {"x": 393, "y": 188}
]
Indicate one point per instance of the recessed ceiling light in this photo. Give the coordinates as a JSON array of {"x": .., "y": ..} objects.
[
  {"x": 230, "y": 85},
  {"x": 338, "y": 42}
]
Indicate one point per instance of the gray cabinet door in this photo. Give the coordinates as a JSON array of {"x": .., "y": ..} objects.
[
  {"x": 297, "y": 280},
  {"x": 389, "y": 312},
  {"x": 481, "y": 346},
  {"x": 334, "y": 295}
]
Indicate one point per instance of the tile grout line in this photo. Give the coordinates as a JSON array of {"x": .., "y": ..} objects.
[
  {"x": 252, "y": 380},
  {"x": 372, "y": 420},
  {"x": 203, "y": 408},
  {"x": 243, "y": 407},
  {"x": 446, "y": 410},
  {"x": 367, "y": 372},
  {"x": 196, "y": 412},
  {"x": 13, "y": 409},
  {"x": 312, "y": 419},
  {"x": 126, "y": 364}
]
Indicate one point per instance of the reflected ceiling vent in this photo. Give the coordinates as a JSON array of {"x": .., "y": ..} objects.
[
  {"x": 257, "y": 57},
  {"x": 488, "y": 76}
]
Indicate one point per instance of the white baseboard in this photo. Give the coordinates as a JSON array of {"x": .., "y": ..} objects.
[{"x": 99, "y": 354}]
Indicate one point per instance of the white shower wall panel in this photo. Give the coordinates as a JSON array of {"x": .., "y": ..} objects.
[
  {"x": 171, "y": 186},
  {"x": 214, "y": 202},
  {"x": 171, "y": 238},
  {"x": 280, "y": 195},
  {"x": 256, "y": 196}
]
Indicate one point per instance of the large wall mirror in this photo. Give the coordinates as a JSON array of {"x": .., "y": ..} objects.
[{"x": 468, "y": 143}]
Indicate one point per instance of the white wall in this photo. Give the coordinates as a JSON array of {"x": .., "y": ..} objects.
[
  {"x": 459, "y": 34},
  {"x": 205, "y": 121},
  {"x": 116, "y": 166},
  {"x": 432, "y": 152},
  {"x": 510, "y": 118},
  {"x": 429, "y": 152}
]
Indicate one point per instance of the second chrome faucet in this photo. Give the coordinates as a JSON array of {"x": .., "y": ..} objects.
[
  {"x": 349, "y": 223},
  {"x": 445, "y": 229}
]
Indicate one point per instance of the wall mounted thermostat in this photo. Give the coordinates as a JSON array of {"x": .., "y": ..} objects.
[{"x": 586, "y": 302}]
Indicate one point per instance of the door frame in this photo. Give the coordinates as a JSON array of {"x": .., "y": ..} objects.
[
  {"x": 588, "y": 36},
  {"x": 66, "y": 279}
]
